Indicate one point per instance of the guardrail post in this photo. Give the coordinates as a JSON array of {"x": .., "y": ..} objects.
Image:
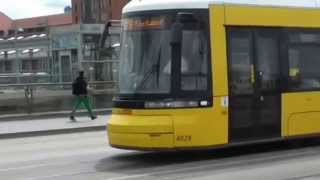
[
  {"x": 92, "y": 95},
  {"x": 28, "y": 93}
]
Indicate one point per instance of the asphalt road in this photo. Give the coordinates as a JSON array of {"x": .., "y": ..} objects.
[{"x": 86, "y": 156}]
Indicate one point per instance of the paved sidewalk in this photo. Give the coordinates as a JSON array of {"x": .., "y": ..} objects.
[
  {"x": 48, "y": 115},
  {"x": 13, "y": 129}
]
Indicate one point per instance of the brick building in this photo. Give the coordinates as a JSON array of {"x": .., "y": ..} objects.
[
  {"x": 96, "y": 11},
  {"x": 30, "y": 25},
  {"x": 5, "y": 23},
  {"x": 117, "y": 8}
]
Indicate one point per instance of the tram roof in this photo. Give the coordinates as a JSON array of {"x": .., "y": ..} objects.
[{"x": 145, "y": 5}]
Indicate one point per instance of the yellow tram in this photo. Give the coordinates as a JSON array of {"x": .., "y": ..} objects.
[{"x": 203, "y": 74}]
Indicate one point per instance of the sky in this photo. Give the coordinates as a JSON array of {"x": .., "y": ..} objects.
[{"x": 17, "y": 9}]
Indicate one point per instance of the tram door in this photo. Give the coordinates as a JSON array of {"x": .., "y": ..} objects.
[{"x": 254, "y": 84}]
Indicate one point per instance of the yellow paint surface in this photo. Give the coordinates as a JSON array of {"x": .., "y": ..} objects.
[
  {"x": 141, "y": 140},
  {"x": 207, "y": 127},
  {"x": 219, "y": 50},
  {"x": 140, "y": 124},
  {"x": 301, "y": 113},
  {"x": 271, "y": 16}
]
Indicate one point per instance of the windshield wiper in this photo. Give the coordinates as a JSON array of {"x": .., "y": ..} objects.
[{"x": 155, "y": 68}]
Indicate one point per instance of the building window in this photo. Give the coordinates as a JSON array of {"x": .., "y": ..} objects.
[
  {"x": 76, "y": 7},
  {"x": 91, "y": 46},
  {"x": 111, "y": 48},
  {"x": 11, "y": 32},
  {"x": 76, "y": 20},
  {"x": 25, "y": 66},
  {"x": 8, "y": 67}
]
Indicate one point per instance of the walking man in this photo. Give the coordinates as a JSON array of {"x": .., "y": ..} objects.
[{"x": 80, "y": 91}]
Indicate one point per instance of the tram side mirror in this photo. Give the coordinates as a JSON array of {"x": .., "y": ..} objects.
[{"x": 177, "y": 27}]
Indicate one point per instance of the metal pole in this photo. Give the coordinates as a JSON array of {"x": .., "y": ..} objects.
[
  {"x": 17, "y": 63},
  {"x": 60, "y": 68},
  {"x": 80, "y": 48}
]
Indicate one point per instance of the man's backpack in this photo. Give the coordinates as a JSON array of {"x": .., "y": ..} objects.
[{"x": 75, "y": 87}]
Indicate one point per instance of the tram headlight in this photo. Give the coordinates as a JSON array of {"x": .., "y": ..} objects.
[{"x": 171, "y": 104}]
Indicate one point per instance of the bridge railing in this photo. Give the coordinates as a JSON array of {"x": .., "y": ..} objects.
[{"x": 50, "y": 97}]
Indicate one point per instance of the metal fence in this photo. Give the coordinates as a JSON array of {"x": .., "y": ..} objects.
[{"x": 50, "y": 97}]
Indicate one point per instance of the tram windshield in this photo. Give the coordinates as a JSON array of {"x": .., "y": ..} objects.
[{"x": 147, "y": 63}]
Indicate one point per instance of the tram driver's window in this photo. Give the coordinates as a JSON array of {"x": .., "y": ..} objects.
[{"x": 194, "y": 61}]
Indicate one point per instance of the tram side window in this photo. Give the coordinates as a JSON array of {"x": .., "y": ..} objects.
[
  {"x": 304, "y": 61},
  {"x": 267, "y": 57}
]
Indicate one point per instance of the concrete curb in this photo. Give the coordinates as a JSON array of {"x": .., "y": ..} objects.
[
  {"x": 40, "y": 116},
  {"x": 52, "y": 132}
]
